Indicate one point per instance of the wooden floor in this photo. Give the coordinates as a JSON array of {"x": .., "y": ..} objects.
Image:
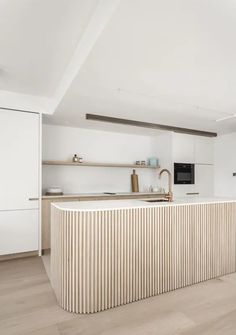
[{"x": 28, "y": 306}]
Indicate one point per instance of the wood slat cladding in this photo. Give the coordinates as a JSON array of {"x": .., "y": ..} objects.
[
  {"x": 104, "y": 259},
  {"x": 48, "y": 200}
]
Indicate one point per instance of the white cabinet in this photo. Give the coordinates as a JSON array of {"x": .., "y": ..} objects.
[
  {"x": 192, "y": 149},
  {"x": 19, "y": 168},
  {"x": 18, "y": 231},
  {"x": 203, "y": 186},
  {"x": 19, "y": 181},
  {"x": 183, "y": 191},
  {"x": 183, "y": 148},
  {"x": 198, "y": 150},
  {"x": 204, "y": 150},
  {"x": 204, "y": 180}
]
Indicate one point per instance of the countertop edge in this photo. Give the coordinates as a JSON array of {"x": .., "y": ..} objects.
[{"x": 142, "y": 206}]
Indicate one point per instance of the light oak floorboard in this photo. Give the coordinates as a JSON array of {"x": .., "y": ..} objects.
[
  {"x": 27, "y": 302},
  {"x": 52, "y": 330},
  {"x": 28, "y": 306}
]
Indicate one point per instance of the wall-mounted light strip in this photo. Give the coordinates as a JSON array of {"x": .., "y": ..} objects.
[{"x": 134, "y": 123}]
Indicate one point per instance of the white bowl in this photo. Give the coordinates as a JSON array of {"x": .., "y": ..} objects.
[{"x": 54, "y": 190}]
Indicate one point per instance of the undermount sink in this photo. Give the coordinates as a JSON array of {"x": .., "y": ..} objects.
[{"x": 156, "y": 200}]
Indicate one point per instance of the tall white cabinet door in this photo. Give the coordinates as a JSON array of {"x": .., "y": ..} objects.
[
  {"x": 19, "y": 152},
  {"x": 18, "y": 231},
  {"x": 204, "y": 150},
  {"x": 204, "y": 180},
  {"x": 183, "y": 148}
]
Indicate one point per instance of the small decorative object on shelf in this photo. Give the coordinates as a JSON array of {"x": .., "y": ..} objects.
[
  {"x": 134, "y": 182},
  {"x": 138, "y": 162},
  {"x": 143, "y": 162},
  {"x": 80, "y": 160},
  {"x": 75, "y": 158},
  {"x": 55, "y": 190},
  {"x": 153, "y": 161}
]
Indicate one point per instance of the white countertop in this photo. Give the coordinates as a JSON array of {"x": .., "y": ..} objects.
[{"x": 124, "y": 204}]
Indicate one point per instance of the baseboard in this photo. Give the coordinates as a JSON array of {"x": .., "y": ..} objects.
[{"x": 18, "y": 255}]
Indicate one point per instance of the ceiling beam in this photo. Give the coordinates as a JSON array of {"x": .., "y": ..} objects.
[
  {"x": 102, "y": 118},
  {"x": 96, "y": 25}
]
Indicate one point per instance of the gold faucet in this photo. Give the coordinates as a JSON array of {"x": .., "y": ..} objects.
[{"x": 168, "y": 195}]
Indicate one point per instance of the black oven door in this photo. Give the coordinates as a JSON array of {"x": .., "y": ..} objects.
[{"x": 183, "y": 173}]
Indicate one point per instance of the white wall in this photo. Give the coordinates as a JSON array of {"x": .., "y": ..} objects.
[
  {"x": 225, "y": 165},
  {"x": 162, "y": 144},
  {"x": 61, "y": 143}
]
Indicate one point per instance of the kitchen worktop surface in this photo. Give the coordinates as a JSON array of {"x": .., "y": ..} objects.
[
  {"x": 101, "y": 195},
  {"x": 124, "y": 204}
]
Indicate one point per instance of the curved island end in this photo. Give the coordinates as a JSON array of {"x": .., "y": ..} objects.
[{"x": 109, "y": 253}]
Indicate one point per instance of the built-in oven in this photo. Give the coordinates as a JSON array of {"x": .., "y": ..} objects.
[{"x": 184, "y": 173}]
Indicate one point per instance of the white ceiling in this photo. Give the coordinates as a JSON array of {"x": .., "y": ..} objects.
[
  {"x": 163, "y": 61},
  {"x": 37, "y": 40}
]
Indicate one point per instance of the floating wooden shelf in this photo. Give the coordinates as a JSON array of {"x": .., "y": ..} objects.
[{"x": 117, "y": 165}]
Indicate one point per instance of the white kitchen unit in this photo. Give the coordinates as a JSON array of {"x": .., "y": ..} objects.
[
  {"x": 183, "y": 148},
  {"x": 203, "y": 150},
  {"x": 203, "y": 186},
  {"x": 182, "y": 191},
  {"x": 19, "y": 180},
  {"x": 204, "y": 180},
  {"x": 19, "y": 231},
  {"x": 192, "y": 149},
  {"x": 197, "y": 150}
]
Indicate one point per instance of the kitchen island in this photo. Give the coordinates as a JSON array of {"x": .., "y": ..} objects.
[
  {"x": 47, "y": 200},
  {"x": 109, "y": 253}
]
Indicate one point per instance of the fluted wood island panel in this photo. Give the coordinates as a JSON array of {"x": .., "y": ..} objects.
[{"x": 106, "y": 258}]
